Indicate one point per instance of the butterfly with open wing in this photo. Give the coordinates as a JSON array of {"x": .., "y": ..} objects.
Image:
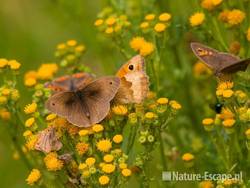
[
  {"x": 84, "y": 101},
  {"x": 223, "y": 64}
]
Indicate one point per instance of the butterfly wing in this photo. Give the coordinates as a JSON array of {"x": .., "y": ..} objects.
[
  {"x": 212, "y": 58},
  {"x": 239, "y": 66},
  {"x": 134, "y": 81},
  {"x": 80, "y": 80},
  {"x": 69, "y": 105},
  {"x": 98, "y": 95},
  {"x": 59, "y": 84}
]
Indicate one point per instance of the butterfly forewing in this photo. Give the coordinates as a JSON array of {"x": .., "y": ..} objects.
[{"x": 214, "y": 59}]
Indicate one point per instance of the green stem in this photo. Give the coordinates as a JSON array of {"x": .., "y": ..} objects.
[{"x": 218, "y": 33}]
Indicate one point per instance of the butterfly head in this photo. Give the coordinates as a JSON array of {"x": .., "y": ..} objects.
[{"x": 135, "y": 64}]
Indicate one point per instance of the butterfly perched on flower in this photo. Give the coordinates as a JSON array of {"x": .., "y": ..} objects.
[
  {"x": 84, "y": 100},
  {"x": 223, "y": 64}
]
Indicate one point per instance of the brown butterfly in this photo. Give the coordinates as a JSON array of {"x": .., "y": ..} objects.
[
  {"x": 223, "y": 64},
  {"x": 48, "y": 141},
  {"x": 134, "y": 81},
  {"x": 81, "y": 101}
]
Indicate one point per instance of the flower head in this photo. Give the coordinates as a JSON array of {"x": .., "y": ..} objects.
[
  {"x": 187, "y": 157},
  {"x": 104, "y": 145},
  {"x": 197, "y": 19},
  {"x": 30, "y": 108},
  {"x": 235, "y": 17},
  {"x": 120, "y": 110},
  {"x": 228, "y": 123},
  {"x": 108, "y": 158},
  {"x": 248, "y": 34},
  {"x": 3, "y": 62},
  {"x": 52, "y": 162},
  {"x": 90, "y": 161},
  {"x": 14, "y": 65},
  {"x": 136, "y": 43},
  {"x": 103, "y": 180},
  {"x": 108, "y": 168},
  {"x": 126, "y": 172},
  {"x": 29, "y": 122},
  {"x": 97, "y": 128},
  {"x": 164, "y": 17},
  {"x": 33, "y": 177},
  {"x": 162, "y": 101},
  {"x": 117, "y": 138},
  {"x": 160, "y": 27},
  {"x": 147, "y": 48},
  {"x": 150, "y": 17},
  {"x": 98, "y": 22},
  {"x": 82, "y": 148}
]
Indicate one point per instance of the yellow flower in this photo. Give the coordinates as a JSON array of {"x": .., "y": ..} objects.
[
  {"x": 200, "y": 68},
  {"x": 117, "y": 138},
  {"x": 210, "y": 4},
  {"x": 150, "y": 115},
  {"x": 4, "y": 114},
  {"x": 31, "y": 142},
  {"x": 27, "y": 133},
  {"x": 33, "y": 177},
  {"x": 223, "y": 16},
  {"x": 52, "y": 162},
  {"x": 83, "y": 132},
  {"x": 3, "y": 63},
  {"x": 47, "y": 71},
  {"x": 126, "y": 172},
  {"x": 247, "y": 133},
  {"x": 144, "y": 25},
  {"x": 149, "y": 17},
  {"x": 6, "y": 91},
  {"x": 164, "y": 17},
  {"x": 97, "y": 128},
  {"x": 160, "y": 27},
  {"x": 29, "y": 122},
  {"x": 147, "y": 48},
  {"x": 109, "y": 30},
  {"x": 197, "y": 19},
  {"x": 51, "y": 117},
  {"x": 187, "y": 157},
  {"x": 136, "y": 43},
  {"x": 123, "y": 165},
  {"x": 162, "y": 100},
  {"x": 108, "y": 168},
  {"x": 103, "y": 180},
  {"x": 108, "y": 158},
  {"x": 110, "y": 21},
  {"x": 227, "y": 93},
  {"x": 175, "y": 105},
  {"x": 120, "y": 110},
  {"x": 80, "y": 48},
  {"x": 14, "y": 65},
  {"x": 235, "y": 17},
  {"x": 90, "y": 161},
  {"x": 30, "y": 108},
  {"x": 207, "y": 121},
  {"x": 29, "y": 82},
  {"x": 3, "y": 100},
  {"x": 248, "y": 34},
  {"x": 82, "y": 166},
  {"x": 82, "y": 148},
  {"x": 228, "y": 122},
  {"x": 71, "y": 43},
  {"x": 61, "y": 46},
  {"x": 206, "y": 184},
  {"x": 225, "y": 85},
  {"x": 104, "y": 145},
  {"x": 98, "y": 22}
]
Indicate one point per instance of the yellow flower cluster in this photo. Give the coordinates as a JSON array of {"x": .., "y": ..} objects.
[
  {"x": 52, "y": 162},
  {"x": 112, "y": 24},
  {"x": 224, "y": 89},
  {"x": 12, "y": 64},
  {"x": 159, "y": 25},
  {"x": 44, "y": 72},
  {"x": 144, "y": 47},
  {"x": 232, "y": 17},
  {"x": 82, "y": 148}
]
